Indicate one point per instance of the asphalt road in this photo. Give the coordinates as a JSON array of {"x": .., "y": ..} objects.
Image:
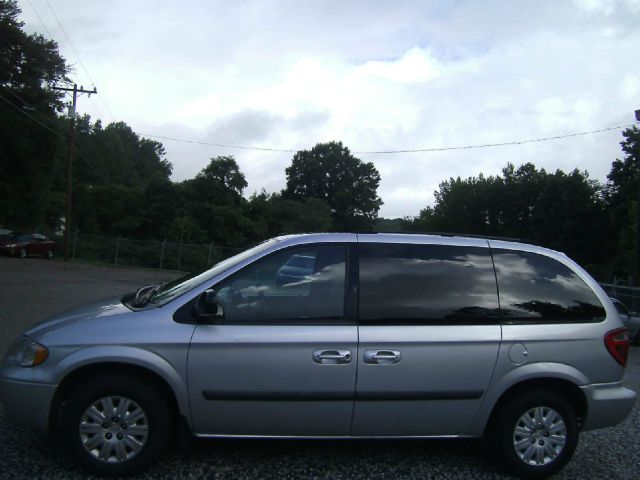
[{"x": 33, "y": 289}]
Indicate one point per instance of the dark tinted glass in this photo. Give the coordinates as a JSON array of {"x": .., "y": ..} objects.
[
  {"x": 430, "y": 284},
  {"x": 538, "y": 288},
  {"x": 297, "y": 284}
]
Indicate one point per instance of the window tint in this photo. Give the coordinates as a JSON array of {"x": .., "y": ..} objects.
[
  {"x": 538, "y": 288},
  {"x": 416, "y": 284},
  {"x": 297, "y": 284}
]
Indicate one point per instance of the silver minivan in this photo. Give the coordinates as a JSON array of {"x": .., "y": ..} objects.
[{"x": 334, "y": 336}]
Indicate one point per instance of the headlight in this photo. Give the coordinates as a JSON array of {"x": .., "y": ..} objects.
[{"x": 27, "y": 353}]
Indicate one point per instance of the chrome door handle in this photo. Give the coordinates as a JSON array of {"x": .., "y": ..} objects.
[
  {"x": 332, "y": 356},
  {"x": 382, "y": 357}
]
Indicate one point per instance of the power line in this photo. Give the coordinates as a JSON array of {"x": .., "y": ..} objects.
[
  {"x": 75, "y": 52},
  {"x": 44, "y": 26},
  {"x": 83, "y": 154},
  {"x": 4, "y": 99},
  {"x": 220, "y": 145},
  {"x": 64, "y": 32},
  {"x": 391, "y": 152},
  {"x": 501, "y": 144},
  {"x": 40, "y": 19},
  {"x": 95, "y": 105}
]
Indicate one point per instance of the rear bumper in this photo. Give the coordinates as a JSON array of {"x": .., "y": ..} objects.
[
  {"x": 607, "y": 404},
  {"x": 26, "y": 404}
]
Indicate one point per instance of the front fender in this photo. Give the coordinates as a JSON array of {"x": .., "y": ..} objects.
[{"x": 129, "y": 356}]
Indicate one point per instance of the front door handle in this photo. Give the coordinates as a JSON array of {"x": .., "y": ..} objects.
[
  {"x": 382, "y": 357},
  {"x": 332, "y": 357}
]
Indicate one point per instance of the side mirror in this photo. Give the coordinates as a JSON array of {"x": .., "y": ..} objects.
[{"x": 207, "y": 308}]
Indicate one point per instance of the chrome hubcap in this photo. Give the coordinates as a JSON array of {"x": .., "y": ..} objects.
[
  {"x": 539, "y": 436},
  {"x": 113, "y": 429}
]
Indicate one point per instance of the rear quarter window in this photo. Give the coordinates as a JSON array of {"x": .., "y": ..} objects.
[{"x": 535, "y": 288}]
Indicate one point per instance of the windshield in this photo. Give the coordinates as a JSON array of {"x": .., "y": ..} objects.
[{"x": 184, "y": 284}]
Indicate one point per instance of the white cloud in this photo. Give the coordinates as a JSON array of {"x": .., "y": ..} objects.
[{"x": 376, "y": 75}]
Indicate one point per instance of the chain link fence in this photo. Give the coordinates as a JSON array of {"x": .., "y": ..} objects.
[
  {"x": 149, "y": 253},
  {"x": 166, "y": 255},
  {"x": 630, "y": 296}
]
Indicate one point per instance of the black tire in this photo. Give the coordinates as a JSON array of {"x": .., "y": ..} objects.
[
  {"x": 500, "y": 435},
  {"x": 149, "y": 399}
]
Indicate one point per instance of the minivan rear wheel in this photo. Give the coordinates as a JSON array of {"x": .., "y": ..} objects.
[
  {"x": 115, "y": 425},
  {"x": 534, "y": 434}
]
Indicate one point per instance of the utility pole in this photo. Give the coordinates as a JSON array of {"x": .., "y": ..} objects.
[{"x": 67, "y": 217}]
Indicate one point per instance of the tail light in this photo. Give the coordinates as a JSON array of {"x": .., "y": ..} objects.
[{"x": 617, "y": 342}]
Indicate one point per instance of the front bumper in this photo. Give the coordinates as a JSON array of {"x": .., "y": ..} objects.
[
  {"x": 25, "y": 403},
  {"x": 607, "y": 404}
]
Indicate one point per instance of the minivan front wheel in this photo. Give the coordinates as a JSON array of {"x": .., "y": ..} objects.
[
  {"x": 535, "y": 434},
  {"x": 115, "y": 425}
]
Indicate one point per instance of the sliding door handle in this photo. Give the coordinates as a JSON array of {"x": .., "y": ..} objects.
[
  {"x": 332, "y": 356},
  {"x": 382, "y": 357}
]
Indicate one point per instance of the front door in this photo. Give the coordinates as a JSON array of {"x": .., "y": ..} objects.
[
  {"x": 429, "y": 337},
  {"x": 282, "y": 362}
]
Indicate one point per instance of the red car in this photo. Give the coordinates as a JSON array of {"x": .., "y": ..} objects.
[{"x": 25, "y": 244}]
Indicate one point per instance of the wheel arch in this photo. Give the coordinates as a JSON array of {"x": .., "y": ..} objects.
[
  {"x": 568, "y": 389},
  {"x": 74, "y": 378}
]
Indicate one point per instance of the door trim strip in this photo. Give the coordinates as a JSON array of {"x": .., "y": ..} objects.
[{"x": 255, "y": 396}]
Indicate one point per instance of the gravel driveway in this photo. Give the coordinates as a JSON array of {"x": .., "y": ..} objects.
[{"x": 33, "y": 289}]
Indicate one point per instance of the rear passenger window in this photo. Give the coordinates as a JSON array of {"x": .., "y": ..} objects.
[
  {"x": 426, "y": 284},
  {"x": 537, "y": 288}
]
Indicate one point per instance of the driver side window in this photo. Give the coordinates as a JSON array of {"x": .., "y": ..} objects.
[{"x": 303, "y": 283}]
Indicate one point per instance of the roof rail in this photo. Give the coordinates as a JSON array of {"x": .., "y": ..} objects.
[{"x": 451, "y": 234}]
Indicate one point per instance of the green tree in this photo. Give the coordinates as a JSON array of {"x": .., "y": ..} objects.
[
  {"x": 561, "y": 211},
  {"x": 276, "y": 215},
  {"x": 570, "y": 216},
  {"x": 121, "y": 182},
  {"x": 348, "y": 185},
  {"x": 622, "y": 194},
  {"x": 29, "y": 128},
  {"x": 224, "y": 173},
  {"x": 464, "y": 206},
  {"x": 214, "y": 200}
]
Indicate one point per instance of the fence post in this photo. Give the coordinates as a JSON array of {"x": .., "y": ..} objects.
[
  {"x": 162, "y": 252},
  {"x": 209, "y": 258},
  {"x": 115, "y": 262},
  {"x": 75, "y": 242}
]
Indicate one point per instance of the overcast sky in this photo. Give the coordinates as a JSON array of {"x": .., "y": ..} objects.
[{"x": 377, "y": 75}]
